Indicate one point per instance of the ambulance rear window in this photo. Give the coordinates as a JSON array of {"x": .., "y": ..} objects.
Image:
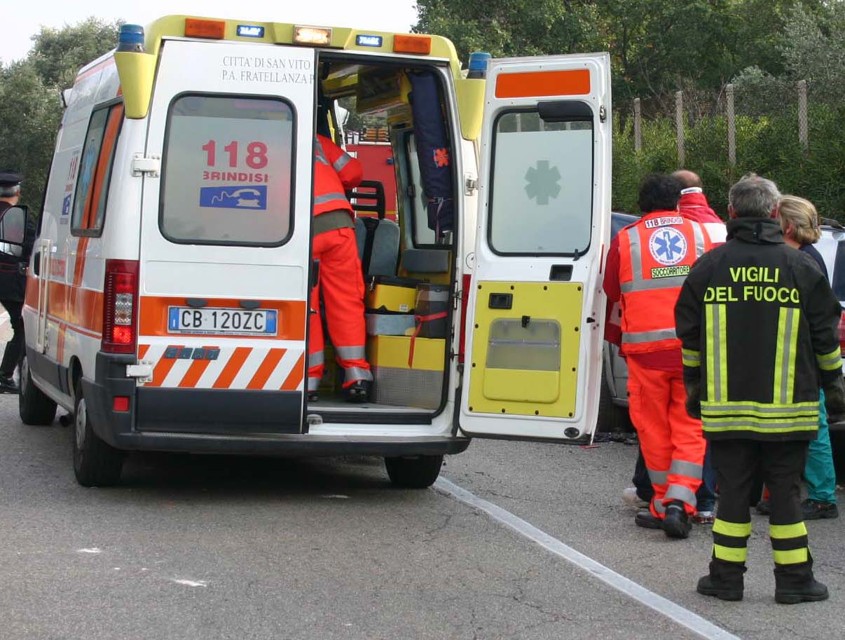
[
  {"x": 542, "y": 185},
  {"x": 227, "y": 171}
]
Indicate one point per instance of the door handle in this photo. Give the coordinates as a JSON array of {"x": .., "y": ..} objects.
[{"x": 36, "y": 263}]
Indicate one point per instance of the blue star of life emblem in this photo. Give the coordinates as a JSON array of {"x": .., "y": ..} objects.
[
  {"x": 543, "y": 182},
  {"x": 668, "y": 246}
]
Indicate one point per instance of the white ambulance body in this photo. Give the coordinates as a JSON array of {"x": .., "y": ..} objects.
[{"x": 167, "y": 297}]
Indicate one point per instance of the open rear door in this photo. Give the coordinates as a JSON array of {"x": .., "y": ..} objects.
[{"x": 536, "y": 307}]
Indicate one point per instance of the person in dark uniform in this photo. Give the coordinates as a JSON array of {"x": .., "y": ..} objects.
[
  {"x": 12, "y": 281},
  {"x": 758, "y": 325}
]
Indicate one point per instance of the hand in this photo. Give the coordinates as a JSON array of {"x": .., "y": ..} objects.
[
  {"x": 834, "y": 400},
  {"x": 693, "y": 402}
]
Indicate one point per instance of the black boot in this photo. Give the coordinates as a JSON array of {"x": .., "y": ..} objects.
[
  {"x": 646, "y": 520},
  {"x": 676, "y": 522},
  {"x": 795, "y": 583},
  {"x": 724, "y": 580},
  {"x": 358, "y": 392},
  {"x": 708, "y": 586},
  {"x": 812, "y": 591}
]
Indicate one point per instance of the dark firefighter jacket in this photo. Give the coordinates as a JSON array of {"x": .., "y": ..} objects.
[{"x": 758, "y": 325}]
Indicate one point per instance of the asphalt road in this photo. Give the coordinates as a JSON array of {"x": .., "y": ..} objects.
[{"x": 219, "y": 547}]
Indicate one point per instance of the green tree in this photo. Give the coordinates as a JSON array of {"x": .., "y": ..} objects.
[
  {"x": 59, "y": 53},
  {"x": 30, "y": 98}
]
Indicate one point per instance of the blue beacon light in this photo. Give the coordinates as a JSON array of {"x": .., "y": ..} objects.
[
  {"x": 478, "y": 64},
  {"x": 131, "y": 38}
]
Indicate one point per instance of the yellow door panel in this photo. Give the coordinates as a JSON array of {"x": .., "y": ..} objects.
[{"x": 525, "y": 350}]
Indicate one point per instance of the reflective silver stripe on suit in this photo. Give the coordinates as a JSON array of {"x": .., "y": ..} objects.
[
  {"x": 341, "y": 162},
  {"x": 677, "y": 492},
  {"x": 356, "y": 373},
  {"x": 351, "y": 353},
  {"x": 328, "y": 197},
  {"x": 313, "y": 384},
  {"x": 649, "y": 336},
  {"x": 316, "y": 358},
  {"x": 658, "y": 477},
  {"x": 684, "y": 468}
]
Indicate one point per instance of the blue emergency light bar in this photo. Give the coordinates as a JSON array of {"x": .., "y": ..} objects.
[
  {"x": 250, "y": 31},
  {"x": 368, "y": 41}
]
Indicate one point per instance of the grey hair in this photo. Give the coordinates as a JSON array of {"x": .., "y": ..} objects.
[
  {"x": 754, "y": 197},
  {"x": 10, "y": 192}
]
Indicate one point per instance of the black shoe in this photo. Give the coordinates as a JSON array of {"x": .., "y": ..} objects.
[
  {"x": 763, "y": 508},
  {"x": 8, "y": 385},
  {"x": 813, "y": 591},
  {"x": 814, "y": 510},
  {"x": 707, "y": 586},
  {"x": 676, "y": 522},
  {"x": 647, "y": 520},
  {"x": 313, "y": 396},
  {"x": 359, "y": 391}
]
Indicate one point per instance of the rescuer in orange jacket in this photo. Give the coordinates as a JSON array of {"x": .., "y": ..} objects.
[
  {"x": 646, "y": 265},
  {"x": 340, "y": 282}
]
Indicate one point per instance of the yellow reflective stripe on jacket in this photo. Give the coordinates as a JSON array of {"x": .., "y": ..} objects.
[
  {"x": 733, "y": 529},
  {"x": 730, "y": 554},
  {"x": 786, "y": 531},
  {"x": 758, "y": 426},
  {"x": 830, "y": 361},
  {"x": 793, "y": 556},
  {"x": 759, "y": 410},
  {"x": 787, "y": 344},
  {"x": 691, "y": 358},
  {"x": 717, "y": 352}
]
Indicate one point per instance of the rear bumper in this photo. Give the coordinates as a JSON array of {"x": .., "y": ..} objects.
[{"x": 226, "y": 422}]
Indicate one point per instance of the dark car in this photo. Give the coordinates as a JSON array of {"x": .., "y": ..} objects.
[{"x": 613, "y": 405}]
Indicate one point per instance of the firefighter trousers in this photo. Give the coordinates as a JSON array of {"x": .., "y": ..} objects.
[
  {"x": 737, "y": 463},
  {"x": 672, "y": 442},
  {"x": 340, "y": 285}
]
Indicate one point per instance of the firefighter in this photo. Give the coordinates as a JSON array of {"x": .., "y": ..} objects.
[
  {"x": 758, "y": 326},
  {"x": 339, "y": 280},
  {"x": 646, "y": 265}
]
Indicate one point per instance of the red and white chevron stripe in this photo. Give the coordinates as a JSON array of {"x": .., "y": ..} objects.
[{"x": 236, "y": 367}]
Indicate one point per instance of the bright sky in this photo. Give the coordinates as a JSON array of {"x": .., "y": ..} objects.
[{"x": 27, "y": 16}]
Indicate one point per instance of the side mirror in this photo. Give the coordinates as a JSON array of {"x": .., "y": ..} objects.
[{"x": 13, "y": 230}]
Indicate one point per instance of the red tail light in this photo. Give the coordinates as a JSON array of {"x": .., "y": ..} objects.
[
  {"x": 466, "y": 283},
  {"x": 120, "y": 306},
  {"x": 842, "y": 334}
]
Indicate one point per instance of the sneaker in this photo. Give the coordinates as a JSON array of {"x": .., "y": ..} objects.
[
  {"x": 632, "y": 498},
  {"x": 704, "y": 517},
  {"x": 8, "y": 385},
  {"x": 814, "y": 510},
  {"x": 647, "y": 520},
  {"x": 813, "y": 591},
  {"x": 676, "y": 522},
  {"x": 763, "y": 508},
  {"x": 707, "y": 586}
]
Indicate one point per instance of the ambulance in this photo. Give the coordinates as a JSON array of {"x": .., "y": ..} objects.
[{"x": 167, "y": 299}]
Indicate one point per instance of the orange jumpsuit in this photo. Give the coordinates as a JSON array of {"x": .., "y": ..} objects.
[
  {"x": 647, "y": 264},
  {"x": 340, "y": 282}
]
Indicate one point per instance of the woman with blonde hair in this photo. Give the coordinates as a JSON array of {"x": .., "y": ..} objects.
[{"x": 800, "y": 223}]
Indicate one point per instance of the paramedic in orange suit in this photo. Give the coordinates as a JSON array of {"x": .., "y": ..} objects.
[
  {"x": 340, "y": 282},
  {"x": 646, "y": 265}
]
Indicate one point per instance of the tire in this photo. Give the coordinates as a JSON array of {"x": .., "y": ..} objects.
[
  {"x": 612, "y": 418},
  {"x": 34, "y": 406},
  {"x": 95, "y": 463},
  {"x": 413, "y": 472}
]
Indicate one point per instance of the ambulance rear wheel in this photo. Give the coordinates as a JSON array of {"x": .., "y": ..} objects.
[
  {"x": 34, "y": 406},
  {"x": 413, "y": 472},
  {"x": 95, "y": 463}
]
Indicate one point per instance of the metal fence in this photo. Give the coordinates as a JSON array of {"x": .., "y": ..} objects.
[{"x": 774, "y": 99}]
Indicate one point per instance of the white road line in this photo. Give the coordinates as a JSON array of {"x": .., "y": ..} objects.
[{"x": 661, "y": 605}]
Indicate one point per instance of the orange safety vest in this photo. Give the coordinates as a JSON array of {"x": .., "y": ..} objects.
[
  {"x": 334, "y": 172},
  {"x": 655, "y": 256}
]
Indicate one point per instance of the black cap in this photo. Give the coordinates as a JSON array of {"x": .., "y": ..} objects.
[{"x": 10, "y": 178}]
